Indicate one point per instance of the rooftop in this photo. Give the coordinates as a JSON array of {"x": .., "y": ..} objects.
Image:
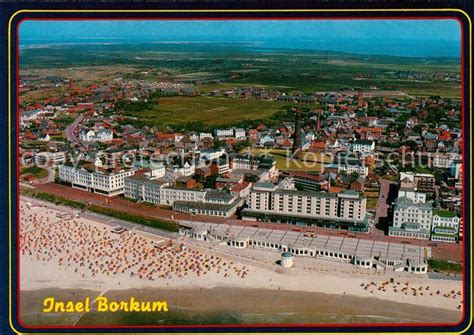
[
  {"x": 354, "y": 246},
  {"x": 446, "y": 214},
  {"x": 404, "y": 202}
]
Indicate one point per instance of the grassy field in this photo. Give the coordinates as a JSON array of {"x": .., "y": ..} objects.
[
  {"x": 35, "y": 171},
  {"x": 307, "y": 162},
  {"x": 234, "y": 66},
  {"x": 444, "y": 266},
  {"x": 371, "y": 194},
  {"x": 211, "y": 110},
  {"x": 372, "y": 203}
]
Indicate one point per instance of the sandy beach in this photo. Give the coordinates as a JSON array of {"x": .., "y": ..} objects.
[
  {"x": 236, "y": 306},
  {"x": 78, "y": 253}
]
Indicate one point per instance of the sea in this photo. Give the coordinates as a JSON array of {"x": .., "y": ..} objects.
[{"x": 396, "y": 47}]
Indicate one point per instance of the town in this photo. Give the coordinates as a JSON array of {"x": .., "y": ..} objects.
[
  {"x": 247, "y": 172},
  {"x": 361, "y": 163}
]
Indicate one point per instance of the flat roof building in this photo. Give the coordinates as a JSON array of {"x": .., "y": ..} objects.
[
  {"x": 360, "y": 252},
  {"x": 345, "y": 210}
]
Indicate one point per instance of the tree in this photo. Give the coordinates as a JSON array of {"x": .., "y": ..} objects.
[
  {"x": 251, "y": 179},
  {"x": 354, "y": 176},
  {"x": 198, "y": 178},
  {"x": 210, "y": 181}
]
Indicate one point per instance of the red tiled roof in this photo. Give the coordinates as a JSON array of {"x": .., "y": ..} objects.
[
  {"x": 334, "y": 189},
  {"x": 318, "y": 145}
]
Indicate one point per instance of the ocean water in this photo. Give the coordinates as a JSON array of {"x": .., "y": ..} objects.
[{"x": 383, "y": 47}]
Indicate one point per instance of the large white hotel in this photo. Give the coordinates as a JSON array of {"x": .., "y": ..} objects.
[
  {"x": 88, "y": 177},
  {"x": 147, "y": 187},
  {"x": 345, "y": 210}
]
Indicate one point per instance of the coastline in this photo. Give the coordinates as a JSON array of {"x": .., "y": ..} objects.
[
  {"x": 236, "y": 305},
  {"x": 59, "y": 257}
]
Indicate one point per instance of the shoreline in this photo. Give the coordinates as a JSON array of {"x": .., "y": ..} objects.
[
  {"x": 83, "y": 253},
  {"x": 240, "y": 305}
]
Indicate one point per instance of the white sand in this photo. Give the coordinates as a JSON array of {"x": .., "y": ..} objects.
[{"x": 310, "y": 275}]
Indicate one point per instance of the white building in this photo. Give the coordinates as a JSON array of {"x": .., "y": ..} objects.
[
  {"x": 349, "y": 168},
  {"x": 424, "y": 182},
  {"x": 44, "y": 138},
  {"x": 186, "y": 170},
  {"x": 268, "y": 202},
  {"x": 224, "y": 133},
  {"x": 457, "y": 170},
  {"x": 407, "y": 189},
  {"x": 200, "y": 202},
  {"x": 242, "y": 162},
  {"x": 157, "y": 171},
  {"x": 36, "y": 114},
  {"x": 205, "y": 135},
  {"x": 86, "y": 135},
  {"x": 194, "y": 137},
  {"x": 239, "y": 134},
  {"x": 245, "y": 162},
  {"x": 88, "y": 177},
  {"x": 365, "y": 253},
  {"x": 214, "y": 203},
  {"x": 416, "y": 197},
  {"x": 211, "y": 154},
  {"x": 363, "y": 146},
  {"x": 220, "y": 165},
  {"x": 46, "y": 158},
  {"x": 266, "y": 139},
  {"x": 170, "y": 194},
  {"x": 286, "y": 259},
  {"x": 445, "y": 226},
  {"x": 144, "y": 186},
  {"x": 444, "y": 160},
  {"x": 102, "y": 135},
  {"x": 412, "y": 220}
]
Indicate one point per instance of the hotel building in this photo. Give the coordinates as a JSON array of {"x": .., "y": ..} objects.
[
  {"x": 91, "y": 178},
  {"x": 412, "y": 220},
  {"x": 269, "y": 203},
  {"x": 445, "y": 226},
  {"x": 145, "y": 186},
  {"x": 188, "y": 200}
]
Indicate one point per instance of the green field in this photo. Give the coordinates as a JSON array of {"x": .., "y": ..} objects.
[
  {"x": 371, "y": 194},
  {"x": 285, "y": 162},
  {"x": 213, "y": 111},
  {"x": 372, "y": 203},
  {"x": 223, "y": 66},
  {"x": 36, "y": 171},
  {"x": 444, "y": 266}
]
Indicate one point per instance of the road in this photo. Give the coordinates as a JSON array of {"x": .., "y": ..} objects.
[
  {"x": 69, "y": 131},
  {"x": 122, "y": 204},
  {"x": 381, "y": 212}
]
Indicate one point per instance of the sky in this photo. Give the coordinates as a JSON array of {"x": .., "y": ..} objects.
[{"x": 390, "y": 37}]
